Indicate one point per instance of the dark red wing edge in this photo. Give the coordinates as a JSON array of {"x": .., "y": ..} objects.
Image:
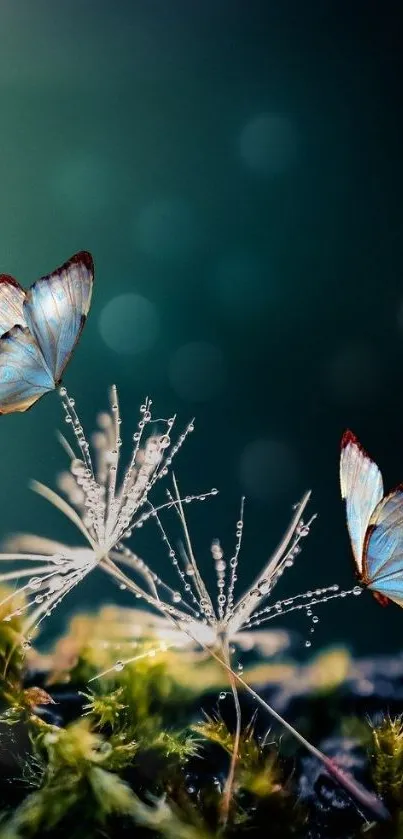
[
  {"x": 82, "y": 257},
  {"x": 349, "y": 437},
  {"x": 8, "y": 280},
  {"x": 381, "y": 598}
]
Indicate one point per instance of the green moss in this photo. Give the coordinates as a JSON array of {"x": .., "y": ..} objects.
[
  {"x": 130, "y": 763},
  {"x": 387, "y": 759},
  {"x": 260, "y": 775},
  {"x": 12, "y": 652}
]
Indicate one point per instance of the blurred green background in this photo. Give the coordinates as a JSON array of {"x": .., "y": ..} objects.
[{"x": 236, "y": 170}]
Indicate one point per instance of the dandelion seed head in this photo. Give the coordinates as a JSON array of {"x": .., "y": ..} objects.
[{"x": 108, "y": 501}]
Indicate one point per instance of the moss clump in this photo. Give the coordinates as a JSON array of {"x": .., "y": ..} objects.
[
  {"x": 71, "y": 769},
  {"x": 124, "y": 754},
  {"x": 261, "y": 784},
  {"x": 388, "y": 759}
]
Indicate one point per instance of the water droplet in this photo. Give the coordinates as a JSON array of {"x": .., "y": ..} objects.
[
  {"x": 308, "y": 643},
  {"x": 303, "y": 530},
  {"x": 176, "y": 597},
  {"x": 357, "y": 590},
  {"x": 119, "y": 666},
  {"x": 62, "y": 391},
  {"x": 315, "y": 619},
  {"x": 263, "y": 586},
  {"x": 222, "y": 695},
  {"x": 34, "y": 583}
]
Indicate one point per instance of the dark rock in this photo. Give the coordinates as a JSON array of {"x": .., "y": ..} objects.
[{"x": 333, "y": 813}]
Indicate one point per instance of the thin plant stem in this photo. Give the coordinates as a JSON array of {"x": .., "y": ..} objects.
[
  {"x": 229, "y": 784},
  {"x": 367, "y": 799}
]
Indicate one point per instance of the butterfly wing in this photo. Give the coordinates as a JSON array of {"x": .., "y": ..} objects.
[
  {"x": 362, "y": 488},
  {"x": 383, "y": 549},
  {"x": 24, "y": 376},
  {"x": 12, "y": 297},
  {"x": 56, "y": 308}
]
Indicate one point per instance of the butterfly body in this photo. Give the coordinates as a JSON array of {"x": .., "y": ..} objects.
[
  {"x": 374, "y": 521},
  {"x": 39, "y": 329}
]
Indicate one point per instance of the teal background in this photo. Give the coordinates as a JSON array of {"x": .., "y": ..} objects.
[{"x": 124, "y": 131}]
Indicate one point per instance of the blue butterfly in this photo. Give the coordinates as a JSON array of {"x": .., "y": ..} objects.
[
  {"x": 39, "y": 329},
  {"x": 374, "y": 521}
]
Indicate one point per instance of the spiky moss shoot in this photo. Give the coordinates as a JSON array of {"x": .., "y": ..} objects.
[
  {"x": 132, "y": 735},
  {"x": 75, "y": 779},
  {"x": 259, "y": 777},
  {"x": 384, "y": 742},
  {"x": 387, "y": 760},
  {"x": 149, "y": 691}
]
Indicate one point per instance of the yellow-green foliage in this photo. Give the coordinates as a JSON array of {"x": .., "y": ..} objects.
[
  {"x": 258, "y": 769},
  {"x": 12, "y": 653},
  {"x": 386, "y": 751},
  {"x": 388, "y": 759},
  {"x": 73, "y": 773},
  {"x": 168, "y": 820},
  {"x": 131, "y": 728},
  {"x": 321, "y": 676},
  {"x": 95, "y": 643}
]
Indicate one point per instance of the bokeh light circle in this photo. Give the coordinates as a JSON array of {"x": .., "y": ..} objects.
[
  {"x": 129, "y": 324},
  {"x": 197, "y": 371},
  {"x": 268, "y": 144},
  {"x": 267, "y": 468},
  {"x": 167, "y": 229}
]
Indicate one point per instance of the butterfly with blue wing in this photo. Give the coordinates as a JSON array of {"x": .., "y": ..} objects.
[
  {"x": 374, "y": 521},
  {"x": 39, "y": 329}
]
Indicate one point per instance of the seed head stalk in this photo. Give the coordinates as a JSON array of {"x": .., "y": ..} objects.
[
  {"x": 106, "y": 510},
  {"x": 229, "y": 783},
  {"x": 369, "y": 801}
]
